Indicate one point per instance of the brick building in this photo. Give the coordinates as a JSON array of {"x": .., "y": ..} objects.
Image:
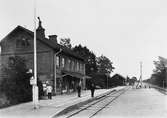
[{"x": 64, "y": 70}]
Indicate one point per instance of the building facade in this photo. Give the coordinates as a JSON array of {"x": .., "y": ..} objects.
[
  {"x": 117, "y": 80},
  {"x": 56, "y": 64}
]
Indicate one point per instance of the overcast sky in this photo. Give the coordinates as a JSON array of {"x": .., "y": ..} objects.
[{"x": 126, "y": 31}]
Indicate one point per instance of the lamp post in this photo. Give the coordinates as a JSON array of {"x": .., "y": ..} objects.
[{"x": 34, "y": 86}]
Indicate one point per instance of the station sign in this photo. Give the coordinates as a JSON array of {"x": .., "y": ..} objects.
[{"x": 32, "y": 81}]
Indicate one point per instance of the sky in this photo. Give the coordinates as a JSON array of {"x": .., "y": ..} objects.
[{"x": 126, "y": 31}]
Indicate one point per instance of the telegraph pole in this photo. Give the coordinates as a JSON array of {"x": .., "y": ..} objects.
[
  {"x": 141, "y": 73},
  {"x": 140, "y": 79},
  {"x": 35, "y": 87}
]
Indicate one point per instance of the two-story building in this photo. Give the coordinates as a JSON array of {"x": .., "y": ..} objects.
[{"x": 56, "y": 64}]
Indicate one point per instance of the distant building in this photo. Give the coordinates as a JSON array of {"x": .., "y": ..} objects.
[
  {"x": 63, "y": 70},
  {"x": 117, "y": 80}
]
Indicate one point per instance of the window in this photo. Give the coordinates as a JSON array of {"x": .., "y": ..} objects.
[
  {"x": 80, "y": 67},
  {"x": 77, "y": 66},
  {"x": 18, "y": 43},
  {"x": 11, "y": 61},
  {"x": 72, "y": 65},
  {"x": 69, "y": 64},
  {"x": 83, "y": 68},
  {"x": 22, "y": 42},
  {"x": 63, "y": 62},
  {"x": 57, "y": 61}
]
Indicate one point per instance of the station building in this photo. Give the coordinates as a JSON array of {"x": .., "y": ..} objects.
[{"x": 56, "y": 64}]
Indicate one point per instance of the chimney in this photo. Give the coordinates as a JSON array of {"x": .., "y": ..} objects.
[
  {"x": 40, "y": 30},
  {"x": 53, "y": 37}
]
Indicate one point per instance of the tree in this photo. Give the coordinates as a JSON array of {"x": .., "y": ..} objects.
[
  {"x": 104, "y": 65},
  {"x": 99, "y": 80},
  {"x": 89, "y": 56},
  {"x": 66, "y": 42},
  {"x": 127, "y": 78},
  {"x": 91, "y": 62},
  {"x": 159, "y": 73},
  {"x": 132, "y": 80},
  {"x": 16, "y": 85}
]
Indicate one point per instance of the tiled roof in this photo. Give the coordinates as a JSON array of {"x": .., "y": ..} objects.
[{"x": 51, "y": 44}]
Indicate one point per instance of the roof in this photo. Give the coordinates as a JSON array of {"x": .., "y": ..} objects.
[
  {"x": 118, "y": 75},
  {"x": 54, "y": 45},
  {"x": 72, "y": 74}
]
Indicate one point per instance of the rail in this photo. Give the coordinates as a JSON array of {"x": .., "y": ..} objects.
[{"x": 98, "y": 100}]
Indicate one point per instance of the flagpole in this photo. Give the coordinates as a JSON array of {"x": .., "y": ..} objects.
[{"x": 35, "y": 88}]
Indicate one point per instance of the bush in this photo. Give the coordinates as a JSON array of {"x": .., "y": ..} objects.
[
  {"x": 16, "y": 86},
  {"x": 3, "y": 101},
  {"x": 99, "y": 80}
]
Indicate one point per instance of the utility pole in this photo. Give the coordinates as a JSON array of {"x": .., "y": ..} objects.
[
  {"x": 35, "y": 87},
  {"x": 140, "y": 79},
  {"x": 141, "y": 73}
]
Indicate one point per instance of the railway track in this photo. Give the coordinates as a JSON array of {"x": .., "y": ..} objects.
[{"x": 93, "y": 108}]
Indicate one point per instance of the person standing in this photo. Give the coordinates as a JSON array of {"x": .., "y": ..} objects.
[
  {"x": 49, "y": 91},
  {"x": 92, "y": 88},
  {"x": 79, "y": 90}
]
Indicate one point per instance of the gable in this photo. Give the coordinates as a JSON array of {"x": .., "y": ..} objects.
[
  {"x": 19, "y": 41},
  {"x": 9, "y": 43}
]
